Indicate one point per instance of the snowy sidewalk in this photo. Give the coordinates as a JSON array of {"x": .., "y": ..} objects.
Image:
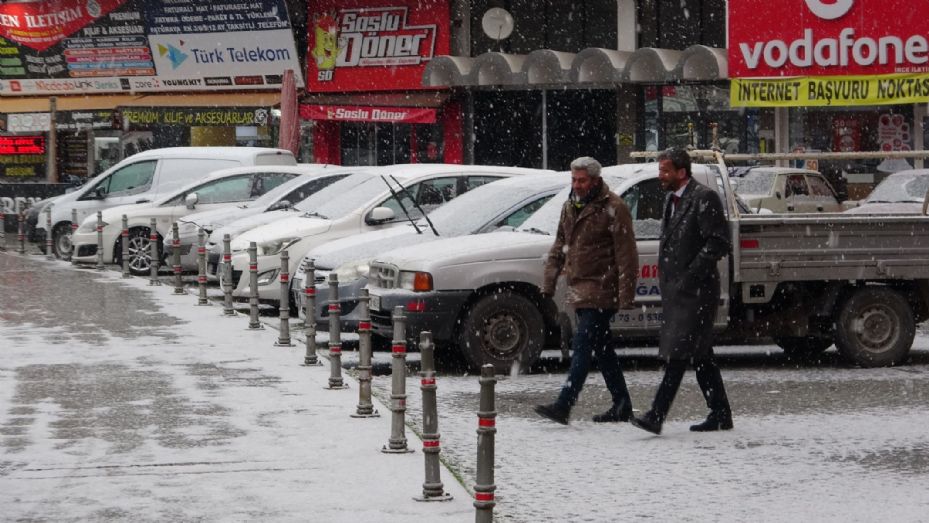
[{"x": 190, "y": 419}]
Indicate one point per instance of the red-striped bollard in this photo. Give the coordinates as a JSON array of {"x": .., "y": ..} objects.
[
  {"x": 100, "y": 266},
  {"x": 153, "y": 252},
  {"x": 397, "y": 442},
  {"x": 309, "y": 320},
  {"x": 176, "y": 259},
  {"x": 335, "y": 335},
  {"x": 433, "y": 489},
  {"x": 484, "y": 486},
  {"x": 253, "y": 322},
  {"x": 74, "y": 226},
  {"x": 365, "y": 408},
  {"x": 227, "y": 276},
  {"x": 49, "y": 248},
  {"x": 2, "y": 228},
  {"x": 283, "y": 339},
  {"x": 125, "y": 247},
  {"x": 201, "y": 268},
  {"x": 21, "y": 234}
]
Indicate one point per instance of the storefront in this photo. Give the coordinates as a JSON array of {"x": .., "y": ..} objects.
[{"x": 365, "y": 103}]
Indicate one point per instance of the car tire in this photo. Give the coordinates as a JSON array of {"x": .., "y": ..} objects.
[
  {"x": 61, "y": 240},
  {"x": 803, "y": 347},
  {"x": 501, "y": 329},
  {"x": 875, "y": 327},
  {"x": 140, "y": 260}
]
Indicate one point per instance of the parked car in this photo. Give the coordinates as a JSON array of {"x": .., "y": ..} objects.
[
  {"x": 377, "y": 199},
  {"x": 142, "y": 178},
  {"x": 902, "y": 192},
  {"x": 503, "y": 204},
  {"x": 783, "y": 189},
  {"x": 222, "y": 188}
]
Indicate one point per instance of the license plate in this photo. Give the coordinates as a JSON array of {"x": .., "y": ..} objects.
[{"x": 375, "y": 302}]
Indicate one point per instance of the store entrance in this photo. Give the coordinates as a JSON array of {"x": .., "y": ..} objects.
[{"x": 366, "y": 143}]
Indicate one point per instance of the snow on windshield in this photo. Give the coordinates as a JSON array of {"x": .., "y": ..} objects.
[
  {"x": 756, "y": 182},
  {"x": 474, "y": 209},
  {"x": 901, "y": 188},
  {"x": 333, "y": 196}
]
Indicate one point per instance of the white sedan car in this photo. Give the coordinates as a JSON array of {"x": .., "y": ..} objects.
[
  {"x": 902, "y": 192},
  {"x": 222, "y": 188}
]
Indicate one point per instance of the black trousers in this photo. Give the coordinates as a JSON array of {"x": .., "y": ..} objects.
[{"x": 709, "y": 379}]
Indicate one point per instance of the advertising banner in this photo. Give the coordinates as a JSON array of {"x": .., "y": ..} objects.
[
  {"x": 64, "y": 121},
  {"x": 827, "y": 37},
  {"x": 374, "y": 45},
  {"x": 100, "y": 46},
  {"x": 144, "y": 117},
  {"x": 351, "y": 113},
  {"x": 830, "y": 91}
]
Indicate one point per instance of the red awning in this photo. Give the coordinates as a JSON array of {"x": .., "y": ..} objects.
[{"x": 359, "y": 113}]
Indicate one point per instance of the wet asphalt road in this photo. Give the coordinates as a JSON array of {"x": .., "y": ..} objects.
[{"x": 822, "y": 398}]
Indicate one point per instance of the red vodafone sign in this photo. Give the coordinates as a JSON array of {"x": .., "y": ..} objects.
[
  {"x": 777, "y": 38},
  {"x": 374, "y": 45}
]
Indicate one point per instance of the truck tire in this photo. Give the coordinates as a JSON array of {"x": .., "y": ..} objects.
[
  {"x": 140, "y": 260},
  {"x": 500, "y": 329},
  {"x": 801, "y": 347},
  {"x": 61, "y": 239},
  {"x": 875, "y": 327}
]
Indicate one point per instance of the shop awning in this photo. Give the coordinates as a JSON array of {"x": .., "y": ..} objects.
[
  {"x": 262, "y": 99},
  {"x": 39, "y": 104},
  {"x": 545, "y": 66}
]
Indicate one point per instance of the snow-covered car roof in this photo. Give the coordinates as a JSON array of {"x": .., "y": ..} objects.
[{"x": 236, "y": 171}]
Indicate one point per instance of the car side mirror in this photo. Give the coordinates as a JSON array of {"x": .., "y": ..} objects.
[
  {"x": 778, "y": 194},
  {"x": 191, "y": 200},
  {"x": 100, "y": 193},
  {"x": 379, "y": 215},
  {"x": 283, "y": 204}
]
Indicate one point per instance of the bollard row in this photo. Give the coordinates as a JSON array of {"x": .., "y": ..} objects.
[
  {"x": 484, "y": 487},
  {"x": 309, "y": 320},
  {"x": 253, "y": 322},
  {"x": 433, "y": 489},
  {"x": 397, "y": 441},
  {"x": 335, "y": 335},
  {"x": 365, "y": 408},
  {"x": 283, "y": 339}
]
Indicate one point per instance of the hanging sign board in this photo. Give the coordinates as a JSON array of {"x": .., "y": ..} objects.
[
  {"x": 829, "y": 91},
  {"x": 352, "y": 113}
]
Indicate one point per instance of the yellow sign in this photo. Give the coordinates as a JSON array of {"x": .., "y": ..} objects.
[{"x": 829, "y": 91}]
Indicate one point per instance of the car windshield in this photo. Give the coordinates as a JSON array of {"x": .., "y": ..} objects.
[
  {"x": 545, "y": 220},
  {"x": 339, "y": 198},
  {"x": 272, "y": 196},
  {"x": 475, "y": 208},
  {"x": 756, "y": 182},
  {"x": 901, "y": 188}
]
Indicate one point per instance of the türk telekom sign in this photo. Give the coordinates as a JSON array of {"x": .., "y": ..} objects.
[
  {"x": 777, "y": 38},
  {"x": 374, "y": 45}
]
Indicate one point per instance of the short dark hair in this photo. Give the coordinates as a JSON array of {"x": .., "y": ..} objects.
[{"x": 679, "y": 158}]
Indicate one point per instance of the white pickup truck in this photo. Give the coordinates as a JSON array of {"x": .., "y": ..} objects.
[{"x": 806, "y": 280}]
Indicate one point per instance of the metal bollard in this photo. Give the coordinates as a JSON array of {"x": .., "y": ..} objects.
[
  {"x": 253, "y": 322},
  {"x": 125, "y": 246},
  {"x": 365, "y": 408},
  {"x": 397, "y": 442},
  {"x": 2, "y": 228},
  {"x": 74, "y": 226},
  {"x": 335, "y": 335},
  {"x": 309, "y": 320},
  {"x": 433, "y": 490},
  {"x": 227, "y": 276},
  {"x": 100, "y": 266},
  {"x": 153, "y": 250},
  {"x": 49, "y": 247},
  {"x": 176, "y": 259},
  {"x": 484, "y": 486},
  {"x": 283, "y": 339},
  {"x": 201, "y": 268},
  {"x": 21, "y": 235}
]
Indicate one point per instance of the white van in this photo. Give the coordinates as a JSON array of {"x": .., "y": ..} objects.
[{"x": 144, "y": 176}]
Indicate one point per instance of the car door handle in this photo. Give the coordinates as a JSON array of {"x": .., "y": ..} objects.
[{"x": 142, "y": 201}]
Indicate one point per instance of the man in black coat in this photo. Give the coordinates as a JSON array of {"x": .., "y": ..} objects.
[{"x": 694, "y": 237}]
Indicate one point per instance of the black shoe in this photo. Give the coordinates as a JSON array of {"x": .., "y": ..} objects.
[
  {"x": 713, "y": 423},
  {"x": 649, "y": 422},
  {"x": 554, "y": 412},
  {"x": 616, "y": 413}
]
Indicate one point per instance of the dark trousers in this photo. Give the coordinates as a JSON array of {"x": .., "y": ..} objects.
[
  {"x": 709, "y": 379},
  {"x": 592, "y": 338}
]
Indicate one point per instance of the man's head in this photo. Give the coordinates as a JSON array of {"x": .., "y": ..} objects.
[
  {"x": 673, "y": 168},
  {"x": 585, "y": 175}
]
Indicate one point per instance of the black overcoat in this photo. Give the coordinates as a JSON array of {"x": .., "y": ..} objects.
[{"x": 693, "y": 240}]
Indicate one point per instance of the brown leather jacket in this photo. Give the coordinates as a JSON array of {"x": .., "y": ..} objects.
[{"x": 595, "y": 247}]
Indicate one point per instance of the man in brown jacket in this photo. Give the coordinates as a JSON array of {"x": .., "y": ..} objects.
[{"x": 595, "y": 248}]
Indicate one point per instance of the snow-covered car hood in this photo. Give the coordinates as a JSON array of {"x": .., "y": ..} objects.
[
  {"x": 294, "y": 226},
  {"x": 887, "y": 208},
  {"x": 241, "y": 225},
  {"x": 494, "y": 246},
  {"x": 366, "y": 246}
]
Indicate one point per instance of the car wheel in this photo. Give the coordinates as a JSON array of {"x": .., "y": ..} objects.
[
  {"x": 140, "y": 251},
  {"x": 503, "y": 329},
  {"x": 875, "y": 327},
  {"x": 61, "y": 240},
  {"x": 803, "y": 347}
]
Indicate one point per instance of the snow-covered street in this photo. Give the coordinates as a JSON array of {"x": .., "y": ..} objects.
[{"x": 120, "y": 401}]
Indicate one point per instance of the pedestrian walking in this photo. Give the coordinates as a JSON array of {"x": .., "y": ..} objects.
[
  {"x": 595, "y": 249},
  {"x": 694, "y": 236}
]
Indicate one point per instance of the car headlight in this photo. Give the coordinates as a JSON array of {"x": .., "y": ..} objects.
[
  {"x": 351, "y": 271},
  {"x": 267, "y": 277},
  {"x": 90, "y": 226},
  {"x": 415, "y": 281},
  {"x": 273, "y": 247}
]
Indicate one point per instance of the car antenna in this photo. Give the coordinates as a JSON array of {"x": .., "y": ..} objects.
[
  {"x": 400, "y": 202},
  {"x": 431, "y": 226}
]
